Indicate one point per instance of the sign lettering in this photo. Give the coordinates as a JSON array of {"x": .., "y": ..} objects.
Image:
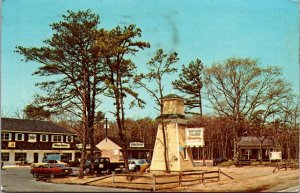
[
  {"x": 194, "y": 137},
  {"x": 136, "y": 144},
  {"x": 60, "y": 145}
]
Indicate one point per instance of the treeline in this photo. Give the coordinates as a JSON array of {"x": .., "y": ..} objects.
[{"x": 219, "y": 136}]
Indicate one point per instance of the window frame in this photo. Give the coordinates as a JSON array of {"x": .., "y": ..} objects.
[
  {"x": 7, "y": 153},
  {"x": 248, "y": 151},
  {"x": 185, "y": 154},
  {"x": 41, "y": 138},
  {"x": 32, "y": 135},
  {"x": 53, "y": 136},
  {"x": 24, "y": 153},
  {"x": 69, "y": 138},
  {"x": 4, "y": 134},
  {"x": 17, "y": 135}
]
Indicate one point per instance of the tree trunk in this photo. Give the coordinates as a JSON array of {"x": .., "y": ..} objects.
[
  {"x": 203, "y": 154},
  {"x": 260, "y": 152},
  {"x": 165, "y": 147}
]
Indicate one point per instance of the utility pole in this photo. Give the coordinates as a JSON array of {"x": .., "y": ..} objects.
[{"x": 106, "y": 126}]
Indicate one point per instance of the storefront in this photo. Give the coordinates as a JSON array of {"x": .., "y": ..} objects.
[{"x": 28, "y": 141}]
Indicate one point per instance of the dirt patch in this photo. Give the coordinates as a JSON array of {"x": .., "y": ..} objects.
[{"x": 245, "y": 179}]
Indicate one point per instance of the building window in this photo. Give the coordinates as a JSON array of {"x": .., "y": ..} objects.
[
  {"x": 6, "y": 136},
  {"x": 43, "y": 138},
  {"x": 69, "y": 138},
  {"x": 248, "y": 151},
  {"x": 5, "y": 156},
  {"x": 66, "y": 156},
  {"x": 20, "y": 156},
  {"x": 57, "y": 138},
  {"x": 32, "y": 138},
  {"x": 19, "y": 137},
  {"x": 185, "y": 153}
]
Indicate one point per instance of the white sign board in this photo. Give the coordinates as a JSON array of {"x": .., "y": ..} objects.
[
  {"x": 79, "y": 146},
  {"x": 194, "y": 137},
  {"x": 275, "y": 155},
  {"x": 136, "y": 144},
  {"x": 60, "y": 145},
  {"x": 11, "y": 144}
]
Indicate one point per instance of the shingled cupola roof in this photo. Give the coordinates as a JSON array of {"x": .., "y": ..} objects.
[
  {"x": 26, "y": 125},
  {"x": 171, "y": 96}
]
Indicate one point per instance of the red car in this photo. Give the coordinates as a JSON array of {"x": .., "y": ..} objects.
[{"x": 51, "y": 170}]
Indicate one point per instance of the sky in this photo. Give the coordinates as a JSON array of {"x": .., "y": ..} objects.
[{"x": 211, "y": 30}]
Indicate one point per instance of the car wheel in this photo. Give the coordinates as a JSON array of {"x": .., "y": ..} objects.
[
  {"x": 137, "y": 168},
  {"x": 52, "y": 175},
  {"x": 35, "y": 175}
]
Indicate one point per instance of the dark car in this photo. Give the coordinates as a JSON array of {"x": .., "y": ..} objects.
[
  {"x": 51, "y": 170},
  {"x": 103, "y": 164},
  {"x": 219, "y": 160}
]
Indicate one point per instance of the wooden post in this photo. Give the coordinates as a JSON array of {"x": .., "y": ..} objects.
[
  {"x": 200, "y": 179},
  {"x": 218, "y": 174},
  {"x": 180, "y": 179},
  {"x": 113, "y": 179},
  {"x": 154, "y": 182},
  {"x": 203, "y": 177}
]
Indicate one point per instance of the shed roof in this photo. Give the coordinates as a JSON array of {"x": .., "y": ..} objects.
[
  {"x": 26, "y": 125},
  {"x": 254, "y": 141},
  {"x": 107, "y": 144}
]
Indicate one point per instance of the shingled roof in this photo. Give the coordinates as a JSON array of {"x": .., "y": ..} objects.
[
  {"x": 254, "y": 141},
  {"x": 170, "y": 96},
  {"x": 26, "y": 125}
]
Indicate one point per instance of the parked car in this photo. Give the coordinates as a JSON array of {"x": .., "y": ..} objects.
[
  {"x": 135, "y": 164},
  {"x": 45, "y": 162},
  {"x": 51, "y": 158},
  {"x": 219, "y": 160},
  {"x": 51, "y": 170},
  {"x": 103, "y": 164}
]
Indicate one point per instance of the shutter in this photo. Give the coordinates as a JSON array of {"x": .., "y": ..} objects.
[
  {"x": 47, "y": 137},
  {"x": 52, "y": 138},
  {"x": 9, "y": 136},
  {"x": 16, "y": 136},
  {"x": 62, "y": 138},
  {"x": 23, "y": 135}
]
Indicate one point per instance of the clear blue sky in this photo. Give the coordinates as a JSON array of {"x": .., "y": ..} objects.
[{"x": 211, "y": 30}]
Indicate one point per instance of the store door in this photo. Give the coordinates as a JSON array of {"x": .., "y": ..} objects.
[{"x": 35, "y": 157}]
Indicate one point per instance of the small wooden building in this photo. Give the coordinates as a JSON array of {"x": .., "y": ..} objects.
[
  {"x": 249, "y": 148},
  {"x": 136, "y": 150},
  {"x": 110, "y": 149}
]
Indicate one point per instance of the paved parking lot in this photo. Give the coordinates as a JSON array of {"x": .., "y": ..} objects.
[{"x": 19, "y": 179}]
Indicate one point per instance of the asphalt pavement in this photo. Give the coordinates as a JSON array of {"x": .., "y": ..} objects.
[{"x": 19, "y": 179}]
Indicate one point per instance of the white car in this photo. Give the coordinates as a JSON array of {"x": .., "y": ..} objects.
[
  {"x": 135, "y": 164},
  {"x": 36, "y": 165}
]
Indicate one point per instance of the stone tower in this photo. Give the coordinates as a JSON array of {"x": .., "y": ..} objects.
[{"x": 178, "y": 155}]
